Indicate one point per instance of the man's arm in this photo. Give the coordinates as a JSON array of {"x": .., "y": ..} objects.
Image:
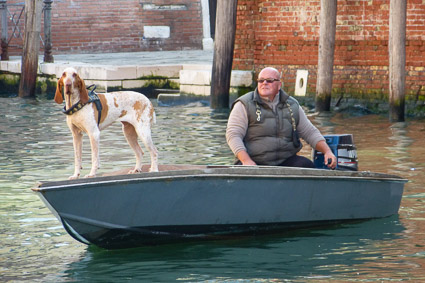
[
  {"x": 307, "y": 130},
  {"x": 237, "y": 126},
  {"x": 314, "y": 138}
]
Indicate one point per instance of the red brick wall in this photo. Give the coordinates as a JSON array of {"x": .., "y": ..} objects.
[
  {"x": 81, "y": 26},
  {"x": 285, "y": 33},
  {"x": 280, "y": 33}
]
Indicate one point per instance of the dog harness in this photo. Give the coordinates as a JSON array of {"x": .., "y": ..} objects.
[{"x": 93, "y": 97}]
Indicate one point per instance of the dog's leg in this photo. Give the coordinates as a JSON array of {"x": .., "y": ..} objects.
[
  {"x": 77, "y": 140},
  {"x": 94, "y": 137},
  {"x": 131, "y": 136},
  {"x": 144, "y": 133}
]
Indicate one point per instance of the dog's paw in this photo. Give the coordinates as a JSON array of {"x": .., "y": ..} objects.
[
  {"x": 153, "y": 169},
  {"x": 90, "y": 176},
  {"x": 73, "y": 177},
  {"x": 135, "y": 170}
]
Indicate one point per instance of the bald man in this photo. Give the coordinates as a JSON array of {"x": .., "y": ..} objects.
[{"x": 265, "y": 125}]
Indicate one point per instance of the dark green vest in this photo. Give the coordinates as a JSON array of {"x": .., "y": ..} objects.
[{"x": 269, "y": 135}]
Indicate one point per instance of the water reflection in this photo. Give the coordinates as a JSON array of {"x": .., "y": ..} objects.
[
  {"x": 323, "y": 122},
  {"x": 308, "y": 254},
  {"x": 36, "y": 145},
  {"x": 399, "y": 152}
]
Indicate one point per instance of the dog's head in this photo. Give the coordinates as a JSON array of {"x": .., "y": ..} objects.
[{"x": 71, "y": 84}]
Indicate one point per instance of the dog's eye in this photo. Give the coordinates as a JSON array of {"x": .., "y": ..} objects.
[
  {"x": 74, "y": 75},
  {"x": 63, "y": 75}
]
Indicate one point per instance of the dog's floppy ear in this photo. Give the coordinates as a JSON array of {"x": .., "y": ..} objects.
[
  {"x": 58, "y": 93},
  {"x": 84, "y": 95}
]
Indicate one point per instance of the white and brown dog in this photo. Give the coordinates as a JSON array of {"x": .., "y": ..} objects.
[{"x": 132, "y": 109}]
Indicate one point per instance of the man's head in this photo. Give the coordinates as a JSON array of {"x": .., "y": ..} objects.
[{"x": 269, "y": 83}]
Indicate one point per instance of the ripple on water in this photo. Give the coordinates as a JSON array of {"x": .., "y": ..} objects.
[{"x": 36, "y": 145}]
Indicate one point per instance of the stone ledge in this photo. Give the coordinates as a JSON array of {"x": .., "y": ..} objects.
[
  {"x": 192, "y": 78},
  {"x": 203, "y": 77}
]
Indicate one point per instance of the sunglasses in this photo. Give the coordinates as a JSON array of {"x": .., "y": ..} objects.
[{"x": 267, "y": 80}]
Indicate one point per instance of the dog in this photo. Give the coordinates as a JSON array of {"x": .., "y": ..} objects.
[{"x": 85, "y": 114}]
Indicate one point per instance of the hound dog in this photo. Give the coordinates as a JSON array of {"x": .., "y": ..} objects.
[{"x": 132, "y": 109}]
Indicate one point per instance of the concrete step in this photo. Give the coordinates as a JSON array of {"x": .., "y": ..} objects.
[{"x": 198, "y": 81}]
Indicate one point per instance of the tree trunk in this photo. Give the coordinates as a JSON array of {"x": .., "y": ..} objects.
[
  {"x": 223, "y": 53},
  {"x": 326, "y": 54},
  {"x": 397, "y": 55},
  {"x": 31, "y": 47}
]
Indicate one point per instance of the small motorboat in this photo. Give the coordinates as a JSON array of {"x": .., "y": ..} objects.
[{"x": 193, "y": 202}]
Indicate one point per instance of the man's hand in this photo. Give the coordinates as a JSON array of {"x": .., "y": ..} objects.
[
  {"x": 323, "y": 147},
  {"x": 244, "y": 157},
  {"x": 330, "y": 155}
]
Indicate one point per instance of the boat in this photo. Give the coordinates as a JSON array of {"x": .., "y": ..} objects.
[{"x": 208, "y": 202}]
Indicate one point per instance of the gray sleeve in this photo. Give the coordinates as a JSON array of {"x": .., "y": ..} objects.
[
  {"x": 308, "y": 131},
  {"x": 237, "y": 126}
]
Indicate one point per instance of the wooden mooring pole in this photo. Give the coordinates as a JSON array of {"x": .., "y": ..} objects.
[
  {"x": 223, "y": 53},
  {"x": 32, "y": 29},
  {"x": 397, "y": 55},
  {"x": 48, "y": 57},
  {"x": 4, "y": 44},
  {"x": 326, "y": 54}
]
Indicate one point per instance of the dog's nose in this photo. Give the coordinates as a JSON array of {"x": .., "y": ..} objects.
[{"x": 68, "y": 86}]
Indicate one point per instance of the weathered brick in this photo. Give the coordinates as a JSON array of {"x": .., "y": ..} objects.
[
  {"x": 111, "y": 26},
  {"x": 361, "y": 42}
]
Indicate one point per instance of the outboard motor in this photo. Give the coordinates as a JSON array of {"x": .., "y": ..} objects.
[{"x": 343, "y": 148}]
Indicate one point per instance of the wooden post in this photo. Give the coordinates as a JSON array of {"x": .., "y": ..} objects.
[
  {"x": 397, "y": 56},
  {"x": 48, "y": 57},
  {"x": 223, "y": 53},
  {"x": 213, "y": 9},
  {"x": 328, "y": 10},
  {"x": 4, "y": 44},
  {"x": 31, "y": 48}
]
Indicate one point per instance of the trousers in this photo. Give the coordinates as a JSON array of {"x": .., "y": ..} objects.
[{"x": 293, "y": 161}]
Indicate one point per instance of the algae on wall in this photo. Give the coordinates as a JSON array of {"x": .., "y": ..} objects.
[{"x": 9, "y": 84}]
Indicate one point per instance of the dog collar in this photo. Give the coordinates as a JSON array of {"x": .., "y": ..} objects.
[
  {"x": 93, "y": 97},
  {"x": 74, "y": 108}
]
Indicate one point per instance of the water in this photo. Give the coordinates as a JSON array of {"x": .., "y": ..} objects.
[{"x": 36, "y": 145}]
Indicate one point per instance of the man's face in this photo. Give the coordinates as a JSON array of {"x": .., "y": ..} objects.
[{"x": 268, "y": 89}]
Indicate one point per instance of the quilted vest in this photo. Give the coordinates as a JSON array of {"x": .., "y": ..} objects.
[{"x": 269, "y": 135}]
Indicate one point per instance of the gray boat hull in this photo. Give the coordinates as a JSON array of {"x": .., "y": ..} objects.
[{"x": 206, "y": 202}]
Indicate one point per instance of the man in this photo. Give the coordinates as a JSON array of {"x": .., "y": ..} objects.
[{"x": 264, "y": 125}]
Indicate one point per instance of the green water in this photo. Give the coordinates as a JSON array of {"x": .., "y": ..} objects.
[{"x": 36, "y": 145}]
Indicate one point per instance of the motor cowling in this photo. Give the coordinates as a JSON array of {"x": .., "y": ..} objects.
[{"x": 343, "y": 148}]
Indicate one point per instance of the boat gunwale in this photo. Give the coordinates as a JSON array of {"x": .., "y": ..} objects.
[{"x": 210, "y": 171}]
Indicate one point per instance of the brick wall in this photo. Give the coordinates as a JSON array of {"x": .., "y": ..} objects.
[
  {"x": 80, "y": 26},
  {"x": 285, "y": 34},
  {"x": 280, "y": 33}
]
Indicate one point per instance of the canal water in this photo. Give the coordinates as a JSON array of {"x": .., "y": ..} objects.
[{"x": 36, "y": 145}]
